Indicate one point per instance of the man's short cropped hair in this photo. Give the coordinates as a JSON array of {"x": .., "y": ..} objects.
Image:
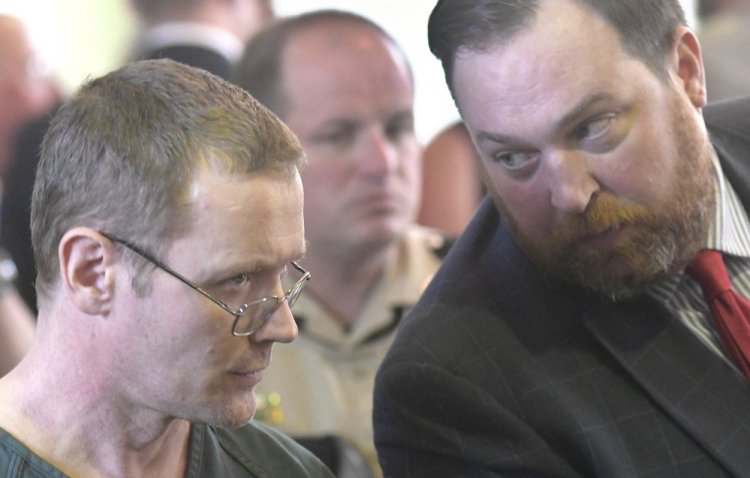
[
  {"x": 120, "y": 155},
  {"x": 259, "y": 71}
]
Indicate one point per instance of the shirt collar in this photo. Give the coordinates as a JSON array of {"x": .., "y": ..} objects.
[
  {"x": 730, "y": 231},
  {"x": 195, "y": 34}
]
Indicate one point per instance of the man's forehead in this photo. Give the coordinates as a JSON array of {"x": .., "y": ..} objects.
[
  {"x": 262, "y": 209},
  {"x": 214, "y": 187},
  {"x": 540, "y": 63},
  {"x": 335, "y": 42}
]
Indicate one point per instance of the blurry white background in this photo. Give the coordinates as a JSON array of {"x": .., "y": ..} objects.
[{"x": 76, "y": 47}]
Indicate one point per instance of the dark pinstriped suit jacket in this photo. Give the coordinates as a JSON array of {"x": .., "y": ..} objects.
[{"x": 499, "y": 372}]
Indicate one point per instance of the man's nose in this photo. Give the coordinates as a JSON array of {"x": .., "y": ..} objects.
[
  {"x": 280, "y": 327},
  {"x": 378, "y": 154},
  {"x": 572, "y": 184}
]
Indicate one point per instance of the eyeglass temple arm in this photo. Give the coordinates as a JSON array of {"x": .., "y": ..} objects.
[{"x": 171, "y": 272}]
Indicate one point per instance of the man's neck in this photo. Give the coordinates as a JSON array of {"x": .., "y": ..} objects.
[
  {"x": 342, "y": 284},
  {"x": 78, "y": 428}
]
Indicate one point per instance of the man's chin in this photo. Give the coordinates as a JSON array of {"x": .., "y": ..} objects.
[
  {"x": 606, "y": 273},
  {"x": 614, "y": 287},
  {"x": 233, "y": 420},
  {"x": 614, "y": 276},
  {"x": 383, "y": 231},
  {"x": 238, "y": 412}
]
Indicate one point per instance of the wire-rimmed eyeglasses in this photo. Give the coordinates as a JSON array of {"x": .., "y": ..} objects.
[{"x": 249, "y": 317}]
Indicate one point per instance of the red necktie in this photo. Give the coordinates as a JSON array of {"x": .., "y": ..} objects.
[{"x": 731, "y": 311}]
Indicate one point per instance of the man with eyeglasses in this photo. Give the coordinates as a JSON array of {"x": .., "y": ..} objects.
[{"x": 167, "y": 225}]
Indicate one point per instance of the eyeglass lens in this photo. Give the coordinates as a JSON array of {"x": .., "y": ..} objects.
[{"x": 258, "y": 314}]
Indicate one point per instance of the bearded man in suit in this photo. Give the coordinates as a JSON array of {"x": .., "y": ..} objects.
[{"x": 563, "y": 336}]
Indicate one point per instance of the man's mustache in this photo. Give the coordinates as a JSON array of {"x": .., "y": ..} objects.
[{"x": 605, "y": 213}]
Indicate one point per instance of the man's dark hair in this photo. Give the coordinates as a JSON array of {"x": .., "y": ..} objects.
[{"x": 646, "y": 27}]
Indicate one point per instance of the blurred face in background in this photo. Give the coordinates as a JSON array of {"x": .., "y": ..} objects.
[
  {"x": 350, "y": 97},
  {"x": 252, "y": 15},
  {"x": 24, "y": 91}
]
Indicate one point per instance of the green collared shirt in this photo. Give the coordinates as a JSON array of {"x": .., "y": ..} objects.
[{"x": 250, "y": 451}]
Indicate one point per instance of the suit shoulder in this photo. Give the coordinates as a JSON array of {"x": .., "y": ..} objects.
[{"x": 729, "y": 116}]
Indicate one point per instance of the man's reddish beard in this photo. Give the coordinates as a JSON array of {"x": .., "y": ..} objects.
[{"x": 662, "y": 239}]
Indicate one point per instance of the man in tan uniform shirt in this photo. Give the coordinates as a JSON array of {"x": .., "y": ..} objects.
[{"x": 345, "y": 88}]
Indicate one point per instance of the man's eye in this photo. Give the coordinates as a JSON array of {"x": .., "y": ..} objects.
[
  {"x": 400, "y": 128},
  {"x": 239, "y": 279},
  {"x": 337, "y": 137},
  {"x": 594, "y": 129},
  {"x": 515, "y": 161},
  {"x": 341, "y": 137}
]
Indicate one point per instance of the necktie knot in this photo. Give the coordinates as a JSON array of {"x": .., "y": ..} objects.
[
  {"x": 709, "y": 271},
  {"x": 731, "y": 312}
]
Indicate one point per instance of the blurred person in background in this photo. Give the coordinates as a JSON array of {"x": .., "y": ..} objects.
[
  {"x": 724, "y": 32},
  {"x": 25, "y": 91},
  {"x": 16, "y": 320},
  {"x": 451, "y": 187},
  {"x": 709, "y": 8},
  {"x": 345, "y": 89},
  {"x": 206, "y": 34}
]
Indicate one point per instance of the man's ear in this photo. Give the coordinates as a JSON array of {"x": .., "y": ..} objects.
[
  {"x": 87, "y": 272},
  {"x": 686, "y": 62}
]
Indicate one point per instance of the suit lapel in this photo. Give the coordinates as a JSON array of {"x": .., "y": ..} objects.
[{"x": 701, "y": 392}]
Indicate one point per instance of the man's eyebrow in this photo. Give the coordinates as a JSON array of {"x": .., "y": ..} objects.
[
  {"x": 338, "y": 122},
  {"x": 568, "y": 118},
  {"x": 494, "y": 137},
  {"x": 581, "y": 108}
]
